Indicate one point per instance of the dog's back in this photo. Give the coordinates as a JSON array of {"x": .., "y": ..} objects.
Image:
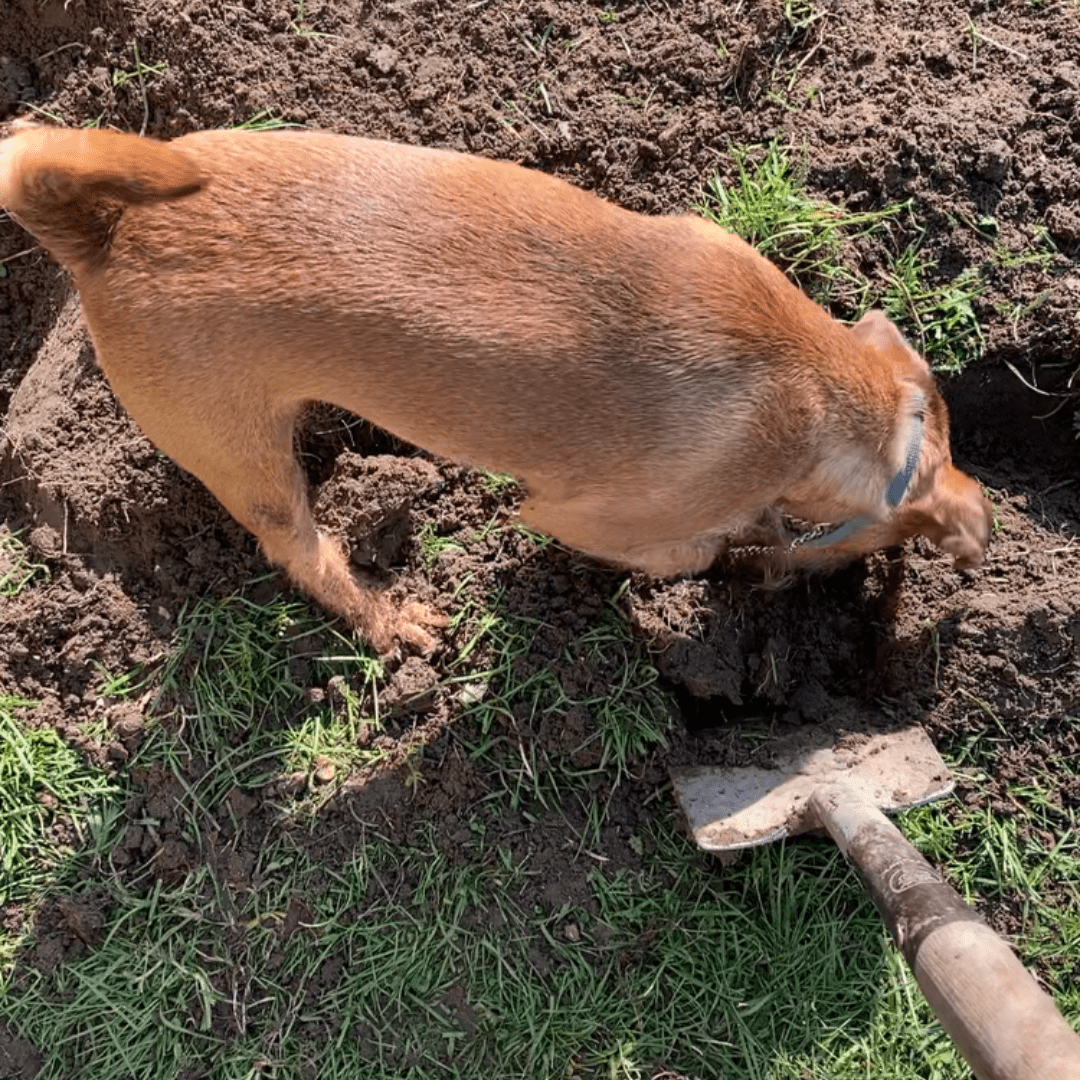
[{"x": 488, "y": 313}]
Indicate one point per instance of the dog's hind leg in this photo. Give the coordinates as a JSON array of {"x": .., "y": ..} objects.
[{"x": 242, "y": 450}]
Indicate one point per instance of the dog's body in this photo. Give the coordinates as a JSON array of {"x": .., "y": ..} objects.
[{"x": 656, "y": 384}]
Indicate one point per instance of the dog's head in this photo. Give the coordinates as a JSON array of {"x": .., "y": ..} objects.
[
  {"x": 954, "y": 514},
  {"x": 932, "y": 497},
  {"x": 941, "y": 502}
]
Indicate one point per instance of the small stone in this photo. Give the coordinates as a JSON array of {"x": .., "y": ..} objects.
[
  {"x": 46, "y": 540},
  {"x": 1068, "y": 74},
  {"x": 993, "y": 163},
  {"x": 383, "y": 58},
  {"x": 472, "y": 693},
  {"x": 240, "y": 803}
]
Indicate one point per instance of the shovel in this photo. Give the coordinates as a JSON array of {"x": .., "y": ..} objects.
[{"x": 1003, "y": 1024}]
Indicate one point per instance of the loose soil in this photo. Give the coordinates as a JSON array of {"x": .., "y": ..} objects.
[{"x": 970, "y": 110}]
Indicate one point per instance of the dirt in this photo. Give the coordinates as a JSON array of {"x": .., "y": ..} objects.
[{"x": 972, "y": 111}]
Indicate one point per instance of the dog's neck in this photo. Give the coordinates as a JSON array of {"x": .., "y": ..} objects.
[{"x": 895, "y": 490}]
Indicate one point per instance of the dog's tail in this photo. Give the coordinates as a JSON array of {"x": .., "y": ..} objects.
[{"x": 69, "y": 187}]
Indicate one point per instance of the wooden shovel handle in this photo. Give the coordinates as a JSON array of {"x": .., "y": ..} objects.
[{"x": 999, "y": 1019}]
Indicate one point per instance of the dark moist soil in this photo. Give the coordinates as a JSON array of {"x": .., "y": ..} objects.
[{"x": 891, "y": 101}]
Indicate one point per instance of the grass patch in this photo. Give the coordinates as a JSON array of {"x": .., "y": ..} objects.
[
  {"x": 340, "y": 953},
  {"x": 1042, "y": 253},
  {"x": 433, "y": 546},
  {"x": 799, "y": 16},
  {"x": 48, "y": 795},
  {"x": 299, "y": 25},
  {"x": 325, "y": 746},
  {"x": 938, "y": 319},
  {"x": 232, "y": 667},
  {"x": 510, "y": 697},
  {"x": 139, "y": 73},
  {"x": 767, "y": 206},
  {"x": 499, "y": 485},
  {"x": 382, "y": 967},
  {"x": 233, "y": 697},
  {"x": 17, "y": 568},
  {"x": 404, "y": 961},
  {"x": 236, "y": 664},
  {"x": 264, "y": 120}
]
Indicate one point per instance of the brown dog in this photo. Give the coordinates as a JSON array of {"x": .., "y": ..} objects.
[{"x": 658, "y": 386}]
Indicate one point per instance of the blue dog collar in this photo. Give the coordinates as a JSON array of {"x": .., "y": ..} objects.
[
  {"x": 898, "y": 485},
  {"x": 894, "y": 491}
]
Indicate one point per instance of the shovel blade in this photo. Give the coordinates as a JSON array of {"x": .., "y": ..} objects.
[{"x": 730, "y": 809}]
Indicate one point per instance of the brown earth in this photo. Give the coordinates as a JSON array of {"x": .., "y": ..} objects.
[{"x": 972, "y": 111}]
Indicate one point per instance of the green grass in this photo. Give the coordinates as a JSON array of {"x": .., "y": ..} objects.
[
  {"x": 495, "y": 486},
  {"x": 938, "y": 318},
  {"x": 335, "y": 743},
  {"x": 264, "y": 120},
  {"x": 498, "y": 485},
  {"x": 139, "y": 73},
  {"x": 774, "y": 968},
  {"x": 381, "y": 978},
  {"x": 1042, "y": 251},
  {"x": 433, "y": 546},
  {"x": 768, "y": 206},
  {"x": 233, "y": 696},
  {"x": 17, "y": 568},
  {"x": 48, "y": 800},
  {"x": 509, "y": 699},
  {"x": 362, "y": 957},
  {"x": 800, "y": 15},
  {"x": 299, "y": 25}
]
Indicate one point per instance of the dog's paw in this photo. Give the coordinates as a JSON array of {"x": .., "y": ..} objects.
[
  {"x": 408, "y": 625},
  {"x": 414, "y": 620}
]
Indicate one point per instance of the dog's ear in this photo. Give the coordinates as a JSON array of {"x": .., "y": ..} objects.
[{"x": 876, "y": 330}]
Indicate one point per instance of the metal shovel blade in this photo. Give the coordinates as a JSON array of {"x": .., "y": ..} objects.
[{"x": 729, "y": 809}]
